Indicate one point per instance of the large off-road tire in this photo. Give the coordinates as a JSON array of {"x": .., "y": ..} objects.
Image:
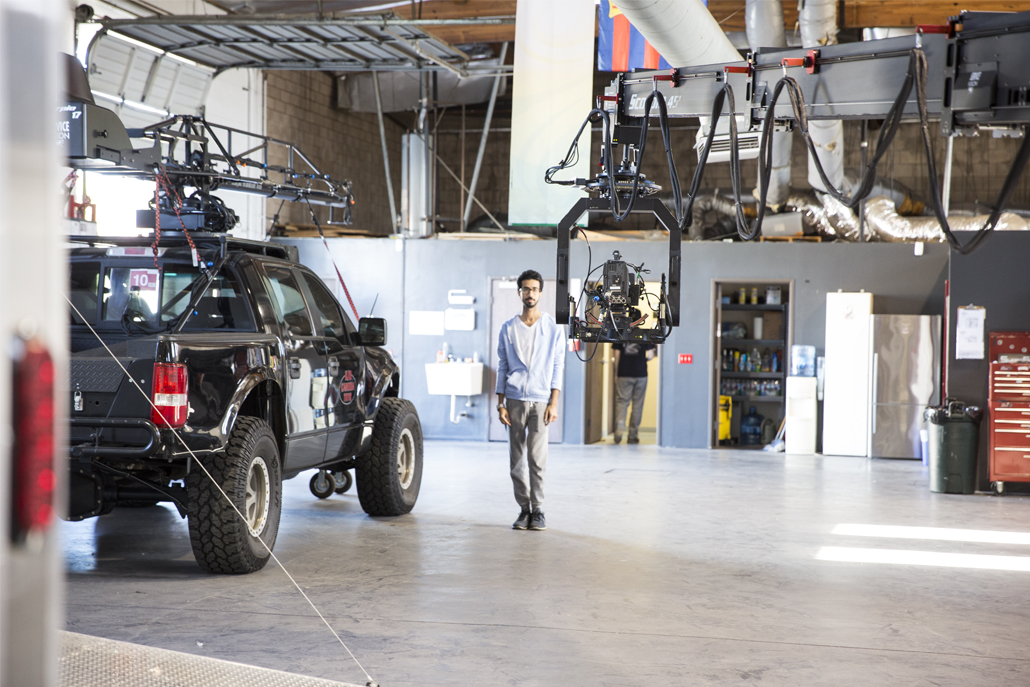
[
  {"x": 390, "y": 474},
  {"x": 250, "y": 473}
]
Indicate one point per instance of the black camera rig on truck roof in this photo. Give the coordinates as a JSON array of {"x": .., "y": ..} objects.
[
  {"x": 969, "y": 74},
  {"x": 188, "y": 152}
]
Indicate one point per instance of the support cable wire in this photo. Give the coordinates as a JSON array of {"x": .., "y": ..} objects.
[
  {"x": 196, "y": 461},
  {"x": 1011, "y": 180},
  {"x": 325, "y": 243}
]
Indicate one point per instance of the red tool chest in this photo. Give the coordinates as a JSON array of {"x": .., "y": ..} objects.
[{"x": 1009, "y": 403}]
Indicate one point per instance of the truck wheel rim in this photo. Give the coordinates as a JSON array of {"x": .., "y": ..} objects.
[
  {"x": 258, "y": 495},
  {"x": 406, "y": 459}
]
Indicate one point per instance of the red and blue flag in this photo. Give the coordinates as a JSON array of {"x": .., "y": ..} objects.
[{"x": 620, "y": 47}]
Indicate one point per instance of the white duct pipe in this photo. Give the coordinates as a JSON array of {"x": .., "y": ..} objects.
[
  {"x": 682, "y": 31},
  {"x": 763, "y": 20},
  {"x": 886, "y": 224},
  {"x": 685, "y": 34},
  {"x": 817, "y": 20}
]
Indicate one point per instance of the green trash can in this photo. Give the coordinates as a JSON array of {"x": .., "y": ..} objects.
[{"x": 954, "y": 440}]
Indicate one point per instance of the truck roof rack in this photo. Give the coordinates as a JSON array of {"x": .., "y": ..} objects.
[{"x": 222, "y": 242}]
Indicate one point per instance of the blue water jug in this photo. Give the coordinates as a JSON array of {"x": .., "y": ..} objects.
[{"x": 751, "y": 428}]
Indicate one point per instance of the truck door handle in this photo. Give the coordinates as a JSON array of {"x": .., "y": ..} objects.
[
  {"x": 294, "y": 368},
  {"x": 334, "y": 367}
]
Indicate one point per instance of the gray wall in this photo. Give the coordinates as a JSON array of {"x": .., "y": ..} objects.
[
  {"x": 902, "y": 283},
  {"x": 419, "y": 277},
  {"x": 989, "y": 277}
]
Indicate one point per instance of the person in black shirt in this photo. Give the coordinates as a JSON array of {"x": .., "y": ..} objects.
[{"x": 630, "y": 385}]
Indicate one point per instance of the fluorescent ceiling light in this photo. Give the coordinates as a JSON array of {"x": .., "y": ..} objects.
[
  {"x": 928, "y": 558},
  {"x": 933, "y": 533}
]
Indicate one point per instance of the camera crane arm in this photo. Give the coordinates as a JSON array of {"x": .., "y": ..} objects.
[
  {"x": 190, "y": 152},
  {"x": 969, "y": 74}
]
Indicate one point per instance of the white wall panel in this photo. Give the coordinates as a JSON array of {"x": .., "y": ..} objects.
[{"x": 551, "y": 96}]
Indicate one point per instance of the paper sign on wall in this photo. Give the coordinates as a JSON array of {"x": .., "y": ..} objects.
[
  {"x": 460, "y": 319},
  {"x": 969, "y": 333},
  {"x": 460, "y": 297},
  {"x": 426, "y": 323}
]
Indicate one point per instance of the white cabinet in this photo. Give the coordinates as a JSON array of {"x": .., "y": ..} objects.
[{"x": 801, "y": 415}]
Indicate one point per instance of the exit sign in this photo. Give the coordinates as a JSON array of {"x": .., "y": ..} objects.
[{"x": 686, "y": 358}]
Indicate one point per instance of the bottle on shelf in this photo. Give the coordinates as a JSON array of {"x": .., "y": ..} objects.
[
  {"x": 756, "y": 359},
  {"x": 766, "y": 361}
]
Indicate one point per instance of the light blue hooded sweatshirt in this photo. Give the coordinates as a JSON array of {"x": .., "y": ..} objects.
[{"x": 522, "y": 383}]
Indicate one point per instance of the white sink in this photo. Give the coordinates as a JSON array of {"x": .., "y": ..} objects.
[{"x": 454, "y": 379}]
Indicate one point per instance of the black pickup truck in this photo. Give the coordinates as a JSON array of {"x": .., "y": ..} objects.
[{"x": 235, "y": 351}]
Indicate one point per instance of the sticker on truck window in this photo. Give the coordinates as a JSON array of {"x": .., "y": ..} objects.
[{"x": 144, "y": 280}]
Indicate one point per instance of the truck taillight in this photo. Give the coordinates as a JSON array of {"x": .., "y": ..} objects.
[
  {"x": 34, "y": 478},
  {"x": 169, "y": 396}
]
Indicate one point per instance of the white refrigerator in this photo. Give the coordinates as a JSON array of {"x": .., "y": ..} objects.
[{"x": 846, "y": 387}]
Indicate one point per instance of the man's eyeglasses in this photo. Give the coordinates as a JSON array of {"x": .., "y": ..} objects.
[{"x": 529, "y": 289}]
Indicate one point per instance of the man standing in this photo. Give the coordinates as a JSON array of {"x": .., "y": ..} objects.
[
  {"x": 531, "y": 360},
  {"x": 630, "y": 385}
]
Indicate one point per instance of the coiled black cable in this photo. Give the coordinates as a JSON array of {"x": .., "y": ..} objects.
[
  {"x": 572, "y": 157},
  {"x": 743, "y": 230},
  {"x": 1011, "y": 180},
  {"x": 883, "y": 142}
]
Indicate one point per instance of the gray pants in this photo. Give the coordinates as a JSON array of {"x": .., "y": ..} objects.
[
  {"x": 629, "y": 389},
  {"x": 527, "y": 431}
]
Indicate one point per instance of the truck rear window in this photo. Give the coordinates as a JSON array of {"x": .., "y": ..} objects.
[
  {"x": 84, "y": 283},
  {"x": 148, "y": 299}
]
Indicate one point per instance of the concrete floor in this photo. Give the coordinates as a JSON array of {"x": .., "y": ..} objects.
[{"x": 659, "y": 567}]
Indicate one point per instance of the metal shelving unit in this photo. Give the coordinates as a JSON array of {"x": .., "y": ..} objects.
[
  {"x": 778, "y": 316},
  {"x": 753, "y": 306},
  {"x": 777, "y": 399},
  {"x": 752, "y": 375}
]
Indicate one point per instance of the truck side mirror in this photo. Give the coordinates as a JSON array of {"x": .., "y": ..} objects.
[{"x": 372, "y": 331}]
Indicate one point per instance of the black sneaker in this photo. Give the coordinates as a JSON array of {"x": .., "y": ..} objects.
[
  {"x": 617, "y": 439},
  {"x": 538, "y": 521},
  {"x": 632, "y": 440},
  {"x": 523, "y": 522}
]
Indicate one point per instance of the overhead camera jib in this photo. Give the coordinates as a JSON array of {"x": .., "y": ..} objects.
[
  {"x": 187, "y": 151},
  {"x": 969, "y": 74}
]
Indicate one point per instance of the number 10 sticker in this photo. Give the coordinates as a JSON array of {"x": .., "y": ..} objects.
[{"x": 144, "y": 280}]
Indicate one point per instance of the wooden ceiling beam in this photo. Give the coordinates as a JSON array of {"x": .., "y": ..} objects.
[
  {"x": 870, "y": 13},
  {"x": 456, "y": 35},
  {"x": 728, "y": 13},
  {"x": 866, "y": 13},
  {"x": 459, "y": 9}
]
